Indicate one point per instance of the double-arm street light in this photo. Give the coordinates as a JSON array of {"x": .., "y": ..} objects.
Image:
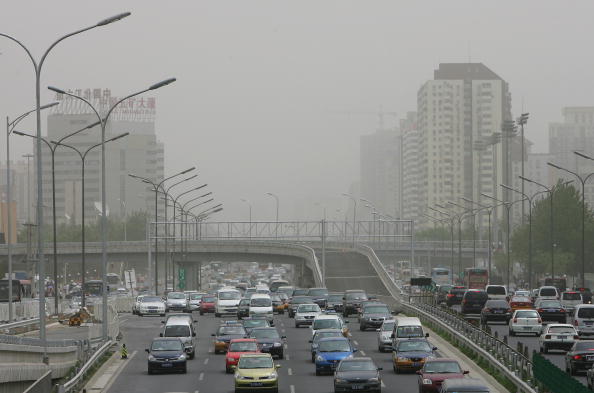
[
  {"x": 10, "y": 128},
  {"x": 472, "y": 213},
  {"x": 250, "y": 205},
  {"x": 156, "y": 187},
  {"x": 38, "y": 65},
  {"x": 583, "y": 180},
  {"x": 83, "y": 156},
  {"x": 451, "y": 223},
  {"x": 451, "y": 218},
  {"x": 521, "y": 121},
  {"x": 352, "y": 198},
  {"x": 53, "y": 147},
  {"x": 277, "y": 204}
]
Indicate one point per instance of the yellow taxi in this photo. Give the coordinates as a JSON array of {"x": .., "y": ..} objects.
[
  {"x": 225, "y": 333},
  {"x": 410, "y": 354},
  {"x": 256, "y": 372}
]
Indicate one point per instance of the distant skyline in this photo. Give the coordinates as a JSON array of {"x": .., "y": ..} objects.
[{"x": 273, "y": 97}]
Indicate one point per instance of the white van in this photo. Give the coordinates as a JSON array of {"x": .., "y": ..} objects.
[
  {"x": 570, "y": 299},
  {"x": 184, "y": 329},
  {"x": 228, "y": 299},
  {"x": 583, "y": 319},
  {"x": 496, "y": 292},
  {"x": 261, "y": 306},
  {"x": 547, "y": 293},
  {"x": 407, "y": 327}
]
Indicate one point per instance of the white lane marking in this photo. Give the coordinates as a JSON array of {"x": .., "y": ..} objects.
[
  {"x": 201, "y": 377},
  {"x": 362, "y": 352},
  {"x": 118, "y": 372},
  {"x": 289, "y": 371},
  {"x": 292, "y": 387},
  {"x": 383, "y": 384},
  {"x": 282, "y": 330},
  {"x": 282, "y": 324},
  {"x": 355, "y": 342},
  {"x": 197, "y": 391},
  {"x": 286, "y": 346},
  {"x": 287, "y": 357},
  {"x": 206, "y": 361}
]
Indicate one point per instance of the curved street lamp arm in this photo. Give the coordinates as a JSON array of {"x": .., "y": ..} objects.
[
  {"x": 193, "y": 199},
  {"x": 70, "y": 147},
  {"x": 179, "y": 182}
]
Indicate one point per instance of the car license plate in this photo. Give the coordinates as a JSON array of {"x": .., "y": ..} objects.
[
  {"x": 167, "y": 365},
  {"x": 256, "y": 384},
  {"x": 357, "y": 387},
  {"x": 416, "y": 364},
  {"x": 588, "y": 323},
  {"x": 561, "y": 337},
  {"x": 590, "y": 357},
  {"x": 498, "y": 311},
  {"x": 550, "y": 310},
  {"x": 527, "y": 327}
]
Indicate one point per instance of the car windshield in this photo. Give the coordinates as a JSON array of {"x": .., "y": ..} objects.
[
  {"x": 335, "y": 298},
  {"x": 177, "y": 331},
  {"x": 334, "y": 346},
  {"x": 317, "y": 292},
  {"x": 326, "y": 324},
  {"x": 586, "y": 312},
  {"x": 526, "y": 314},
  {"x": 298, "y": 292},
  {"x": 231, "y": 295},
  {"x": 151, "y": 299},
  {"x": 561, "y": 330},
  {"x": 584, "y": 346},
  {"x": 243, "y": 346},
  {"x": 442, "y": 367},
  {"x": 265, "y": 333},
  {"x": 260, "y": 302},
  {"x": 550, "y": 304},
  {"x": 357, "y": 365},
  {"x": 196, "y": 296},
  {"x": 409, "y": 331},
  {"x": 255, "y": 362},
  {"x": 208, "y": 299},
  {"x": 496, "y": 290},
  {"x": 571, "y": 296},
  {"x": 387, "y": 326},
  {"x": 376, "y": 310},
  {"x": 320, "y": 335},
  {"x": 356, "y": 296},
  {"x": 231, "y": 330},
  {"x": 176, "y": 295},
  {"x": 412, "y": 346},
  {"x": 166, "y": 345},
  {"x": 308, "y": 308},
  {"x": 253, "y": 323},
  {"x": 244, "y": 302},
  {"x": 548, "y": 292}
]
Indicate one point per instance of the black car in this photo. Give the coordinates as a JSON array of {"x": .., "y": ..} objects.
[
  {"x": 441, "y": 293},
  {"x": 580, "y": 356},
  {"x": 254, "y": 322},
  {"x": 373, "y": 315},
  {"x": 334, "y": 301},
  {"x": 269, "y": 341},
  {"x": 586, "y": 295},
  {"x": 455, "y": 295},
  {"x": 357, "y": 374},
  {"x": 296, "y": 301},
  {"x": 552, "y": 310},
  {"x": 496, "y": 310},
  {"x": 225, "y": 333},
  {"x": 166, "y": 354},
  {"x": 243, "y": 309},
  {"x": 473, "y": 301},
  {"x": 351, "y": 302},
  {"x": 319, "y": 296}
]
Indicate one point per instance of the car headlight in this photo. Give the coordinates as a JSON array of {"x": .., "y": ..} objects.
[
  {"x": 320, "y": 358},
  {"x": 350, "y": 356},
  {"x": 151, "y": 358},
  {"x": 273, "y": 375},
  {"x": 427, "y": 381},
  {"x": 313, "y": 346},
  {"x": 277, "y": 344},
  {"x": 340, "y": 380},
  {"x": 182, "y": 357},
  {"x": 400, "y": 359},
  {"x": 373, "y": 380}
]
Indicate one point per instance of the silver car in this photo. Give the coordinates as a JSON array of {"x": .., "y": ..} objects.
[
  {"x": 384, "y": 336},
  {"x": 176, "y": 301},
  {"x": 151, "y": 305},
  {"x": 194, "y": 300}
]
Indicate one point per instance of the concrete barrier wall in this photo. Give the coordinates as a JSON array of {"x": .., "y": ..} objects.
[{"x": 26, "y": 309}]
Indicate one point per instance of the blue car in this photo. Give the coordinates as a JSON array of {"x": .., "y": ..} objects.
[
  {"x": 320, "y": 334},
  {"x": 330, "y": 352}
]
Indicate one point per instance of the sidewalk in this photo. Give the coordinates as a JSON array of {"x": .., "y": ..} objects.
[{"x": 108, "y": 372}]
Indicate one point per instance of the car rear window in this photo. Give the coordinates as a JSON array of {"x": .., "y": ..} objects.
[
  {"x": 561, "y": 329},
  {"x": 571, "y": 296},
  {"x": 548, "y": 292},
  {"x": 526, "y": 314},
  {"x": 496, "y": 303},
  {"x": 496, "y": 290},
  {"x": 475, "y": 295},
  {"x": 586, "y": 312}
]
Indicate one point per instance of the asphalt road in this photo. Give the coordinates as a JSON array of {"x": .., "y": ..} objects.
[
  {"x": 556, "y": 357},
  {"x": 351, "y": 270},
  {"x": 206, "y": 373}
]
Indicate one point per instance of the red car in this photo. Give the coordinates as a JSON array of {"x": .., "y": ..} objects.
[
  {"x": 207, "y": 304},
  {"x": 238, "y": 347},
  {"x": 435, "y": 371}
]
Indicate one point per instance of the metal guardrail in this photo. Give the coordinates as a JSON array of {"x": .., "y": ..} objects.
[
  {"x": 74, "y": 381},
  {"x": 512, "y": 364},
  {"x": 17, "y": 324}
]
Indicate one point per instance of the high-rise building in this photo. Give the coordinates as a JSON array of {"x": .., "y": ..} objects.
[
  {"x": 412, "y": 180},
  {"x": 464, "y": 105},
  {"x": 139, "y": 153},
  {"x": 19, "y": 189},
  {"x": 381, "y": 163}
]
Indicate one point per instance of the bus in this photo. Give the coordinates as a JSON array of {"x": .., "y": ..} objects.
[
  {"x": 476, "y": 278},
  {"x": 113, "y": 282},
  {"x": 17, "y": 290},
  {"x": 93, "y": 288},
  {"x": 559, "y": 282},
  {"x": 441, "y": 276},
  {"x": 274, "y": 285}
]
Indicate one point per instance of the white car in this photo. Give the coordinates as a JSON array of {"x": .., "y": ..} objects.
[
  {"x": 176, "y": 301},
  {"x": 306, "y": 313},
  {"x": 525, "y": 322},
  {"x": 522, "y": 292},
  {"x": 557, "y": 336},
  {"x": 384, "y": 335},
  {"x": 151, "y": 305},
  {"x": 583, "y": 319},
  {"x": 326, "y": 321},
  {"x": 194, "y": 300},
  {"x": 136, "y": 304},
  {"x": 571, "y": 299}
]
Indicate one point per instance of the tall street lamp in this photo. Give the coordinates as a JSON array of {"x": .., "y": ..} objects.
[
  {"x": 156, "y": 186},
  {"x": 583, "y": 181},
  {"x": 250, "y": 205},
  {"x": 451, "y": 224},
  {"x": 521, "y": 121},
  {"x": 52, "y": 148},
  {"x": 83, "y": 156},
  {"x": 451, "y": 219},
  {"x": 38, "y": 67},
  {"x": 352, "y": 198},
  {"x": 277, "y": 203},
  {"x": 459, "y": 217},
  {"x": 472, "y": 213},
  {"x": 10, "y": 128},
  {"x": 103, "y": 122}
]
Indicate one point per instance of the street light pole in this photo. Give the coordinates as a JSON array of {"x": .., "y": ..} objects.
[
  {"x": 451, "y": 219},
  {"x": 521, "y": 121},
  {"x": 277, "y": 204},
  {"x": 352, "y": 198},
  {"x": 472, "y": 213},
  {"x": 451, "y": 222}
]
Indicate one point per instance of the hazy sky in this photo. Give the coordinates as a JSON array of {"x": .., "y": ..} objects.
[{"x": 273, "y": 95}]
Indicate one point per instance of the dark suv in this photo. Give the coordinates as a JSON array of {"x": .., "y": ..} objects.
[
  {"x": 455, "y": 295},
  {"x": 473, "y": 301},
  {"x": 319, "y": 296},
  {"x": 351, "y": 302},
  {"x": 373, "y": 315},
  {"x": 496, "y": 310}
]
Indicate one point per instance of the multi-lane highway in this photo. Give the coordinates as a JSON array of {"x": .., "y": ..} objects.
[{"x": 206, "y": 373}]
